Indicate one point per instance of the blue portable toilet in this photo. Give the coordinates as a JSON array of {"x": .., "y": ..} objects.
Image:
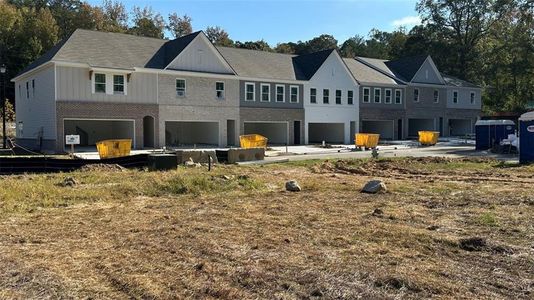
[
  {"x": 526, "y": 137},
  {"x": 490, "y": 132}
]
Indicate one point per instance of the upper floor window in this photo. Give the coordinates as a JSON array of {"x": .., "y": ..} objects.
[
  {"x": 280, "y": 93},
  {"x": 219, "y": 90},
  {"x": 180, "y": 87},
  {"x": 293, "y": 94},
  {"x": 118, "y": 84},
  {"x": 265, "y": 92},
  {"x": 338, "y": 96},
  {"x": 366, "y": 95},
  {"x": 416, "y": 95},
  {"x": 250, "y": 94},
  {"x": 100, "y": 83},
  {"x": 455, "y": 97},
  {"x": 472, "y": 98},
  {"x": 28, "y": 89},
  {"x": 326, "y": 96},
  {"x": 378, "y": 96},
  {"x": 350, "y": 97},
  {"x": 398, "y": 96},
  {"x": 313, "y": 95},
  {"x": 33, "y": 87},
  {"x": 387, "y": 96},
  {"x": 436, "y": 96}
]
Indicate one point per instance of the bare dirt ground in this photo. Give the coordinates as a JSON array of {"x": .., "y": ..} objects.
[{"x": 446, "y": 228}]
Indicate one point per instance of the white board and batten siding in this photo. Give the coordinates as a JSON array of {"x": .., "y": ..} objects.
[
  {"x": 75, "y": 84},
  {"x": 332, "y": 75},
  {"x": 200, "y": 56},
  {"x": 36, "y": 107}
]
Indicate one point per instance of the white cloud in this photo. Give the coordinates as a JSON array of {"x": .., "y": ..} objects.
[{"x": 407, "y": 21}]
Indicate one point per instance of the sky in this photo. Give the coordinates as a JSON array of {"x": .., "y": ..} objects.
[{"x": 278, "y": 21}]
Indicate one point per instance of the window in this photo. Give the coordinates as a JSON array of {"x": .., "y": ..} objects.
[
  {"x": 326, "y": 96},
  {"x": 100, "y": 83},
  {"x": 313, "y": 95},
  {"x": 265, "y": 92},
  {"x": 180, "y": 87},
  {"x": 387, "y": 96},
  {"x": 472, "y": 99},
  {"x": 118, "y": 84},
  {"x": 294, "y": 94},
  {"x": 436, "y": 96},
  {"x": 416, "y": 95},
  {"x": 219, "y": 90},
  {"x": 350, "y": 97},
  {"x": 378, "y": 96},
  {"x": 28, "y": 89},
  {"x": 398, "y": 96},
  {"x": 33, "y": 87},
  {"x": 250, "y": 94},
  {"x": 280, "y": 93},
  {"x": 338, "y": 96},
  {"x": 366, "y": 95},
  {"x": 455, "y": 97}
]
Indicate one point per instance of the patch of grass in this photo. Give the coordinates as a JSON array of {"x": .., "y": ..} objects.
[{"x": 488, "y": 219}]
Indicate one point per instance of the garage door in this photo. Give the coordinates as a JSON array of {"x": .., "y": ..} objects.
[
  {"x": 328, "y": 132},
  {"x": 178, "y": 133},
  {"x": 460, "y": 127},
  {"x": 92, "y": 131},
  {"x": 275, "y": 132},
  {"x": 416, "y": 125},
  {"x": 384, "y": 128}
]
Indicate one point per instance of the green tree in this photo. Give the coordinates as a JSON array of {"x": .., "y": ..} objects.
[
  {"x": 147, "y": 23},
  {"x": 354, "y": 46},
  {"x": 287, "y": 48},
  {"x": 179, "y": 26},
  {"x": 219, "y": 36},
  {"x": 257, "y": 45}
]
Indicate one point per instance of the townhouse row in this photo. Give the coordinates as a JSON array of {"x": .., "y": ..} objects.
[{"x": 187, "y": 92}]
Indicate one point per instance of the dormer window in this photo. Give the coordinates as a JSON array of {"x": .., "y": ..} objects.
[
  {"x": 118, "y": 84},
  {"x": 100, "y": 83},
  {"x": 180, "y": 87}
]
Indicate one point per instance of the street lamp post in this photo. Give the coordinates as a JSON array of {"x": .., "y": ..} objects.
[{"x": 3, "y": 99}]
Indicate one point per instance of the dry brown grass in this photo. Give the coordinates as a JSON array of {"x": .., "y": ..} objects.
[{"x": 193, "y": 234}]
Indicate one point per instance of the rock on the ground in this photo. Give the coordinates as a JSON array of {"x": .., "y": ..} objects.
[
  {"x": 293, "y": 186},
  {"x": 374, "y": 187},
  {"x": 69, "y": 181}
]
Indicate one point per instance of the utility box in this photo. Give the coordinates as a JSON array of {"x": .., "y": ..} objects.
[
  {"x": 162, "y": 162},
  {"x": 491, "y": 132},
  {"x": 526, "y": 138}
]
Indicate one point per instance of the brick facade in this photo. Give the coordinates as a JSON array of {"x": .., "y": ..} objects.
[{"x": 110, "y": 111}]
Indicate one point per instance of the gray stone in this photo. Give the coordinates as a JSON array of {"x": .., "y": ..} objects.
[
  {"x": 293, "y": 186},
  {"x": 374, "y": 187}
]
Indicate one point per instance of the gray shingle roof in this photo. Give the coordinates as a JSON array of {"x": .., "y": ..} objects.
[
  {"x": 365, "y": 74},
  {"x": 457, "y": 82},
  {"x": 377, "y": 63},
  {"x": 260, "y": 64}
]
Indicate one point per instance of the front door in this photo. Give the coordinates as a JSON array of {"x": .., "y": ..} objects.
[
  {"x": 296, "y": 132},
  {"x": 399, "y": 129}
]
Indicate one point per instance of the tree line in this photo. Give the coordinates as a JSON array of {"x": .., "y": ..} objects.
[{"x": 487, "y": 42}]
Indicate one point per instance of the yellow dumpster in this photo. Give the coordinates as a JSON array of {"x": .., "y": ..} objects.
[
  {"x": 428, "y": 138},
  {"x": 252, "y": 141},
  {"x": 114, "y": 148},
  {"x": 367, "y": 140}
]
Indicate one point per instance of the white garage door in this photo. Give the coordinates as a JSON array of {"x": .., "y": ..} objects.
[
  {"x": 275, "y": 132},
  {"x": 384, "y": 128},
  {"x": 182, "y": 133},
  {"x": 328, "y": 132},
  {"x": 93, "y": 131}
]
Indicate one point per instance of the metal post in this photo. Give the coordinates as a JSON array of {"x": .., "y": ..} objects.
[{"x": 3, "y": 98}]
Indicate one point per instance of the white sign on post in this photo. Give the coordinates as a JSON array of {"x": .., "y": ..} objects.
[{"x": 72, "y": 139}]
